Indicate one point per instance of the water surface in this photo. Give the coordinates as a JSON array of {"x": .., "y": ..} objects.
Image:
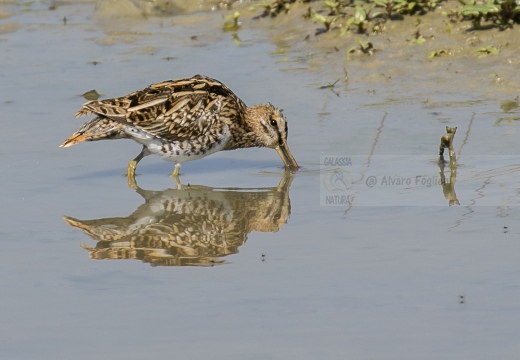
[{"x": 395, "y": 273}]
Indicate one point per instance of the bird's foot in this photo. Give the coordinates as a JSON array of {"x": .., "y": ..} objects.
[{"x": 130, "y": 174}]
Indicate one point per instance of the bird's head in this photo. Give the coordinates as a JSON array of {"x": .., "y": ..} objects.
[{"x": 270, "y": 128}]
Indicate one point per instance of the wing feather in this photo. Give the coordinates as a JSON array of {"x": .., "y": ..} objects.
[{"x": 172, "y": 110}]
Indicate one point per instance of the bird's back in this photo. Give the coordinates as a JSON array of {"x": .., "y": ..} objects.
[{"x": 173, "y": 110}]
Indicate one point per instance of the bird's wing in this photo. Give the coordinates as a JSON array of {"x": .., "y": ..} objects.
[{"x": 172, "y": 110}]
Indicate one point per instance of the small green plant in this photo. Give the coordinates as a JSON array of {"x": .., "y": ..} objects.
[
  {"x": 337, "y": 7},
  {"x": 334, "y": 6},
  {"x": 485, "y": 51},
  {"x": 392, "y": 8},
  {"x": 362, "y": 47},
  {"x": 274, "y": 8},
  {"x": 501, "y": 13},
  {"x": 437, "y": 53},
  {"x": 325, "y": 20},
  {"x": 231, "y": 23},
  {"x": 417, "y": 38},
  {"x": 397, "y": 8},
  {"x": 362, "y": 16}
]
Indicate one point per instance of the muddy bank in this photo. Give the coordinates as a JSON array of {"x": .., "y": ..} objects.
[
  {"x": 428, "y": 50},
  {"x": 434, "y": 49}
]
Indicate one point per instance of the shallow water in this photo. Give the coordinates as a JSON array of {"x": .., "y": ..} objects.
[{"x": 384, "y": 270}]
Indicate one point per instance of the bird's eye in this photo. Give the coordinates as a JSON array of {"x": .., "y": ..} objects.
[{"x": 273, "y": 122}]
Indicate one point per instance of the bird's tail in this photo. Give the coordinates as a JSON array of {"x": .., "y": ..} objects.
[
  {"x": 96, "y": 129},
  {"x": 109, "y": 229}
]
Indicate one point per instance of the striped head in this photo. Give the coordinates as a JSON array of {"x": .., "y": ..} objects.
[{"x": 270, "y": 129}]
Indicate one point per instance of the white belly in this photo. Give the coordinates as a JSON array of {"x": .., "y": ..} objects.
[{"x": 180, "y": 151}]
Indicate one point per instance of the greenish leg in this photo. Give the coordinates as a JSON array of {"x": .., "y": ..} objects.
[
  {"x": 175, "y": 173},
  {"x": 130, "y": 171},
  {"x": 175, "y": 176}
]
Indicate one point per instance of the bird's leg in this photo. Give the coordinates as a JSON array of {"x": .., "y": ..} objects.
[
  {"x": 177, "y": 182},
  {"x": 175, "y": 175},
  {"x": 131, "y": 183},
  {"x": 130, "y": 171}
]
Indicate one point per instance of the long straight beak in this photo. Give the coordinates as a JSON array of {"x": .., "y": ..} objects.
[{"x": 287, "y": 158}]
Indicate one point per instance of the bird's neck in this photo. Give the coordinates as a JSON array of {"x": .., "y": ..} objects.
[
  {"x": 242, "y": 139},
  {"x": 243, "y": 136}
]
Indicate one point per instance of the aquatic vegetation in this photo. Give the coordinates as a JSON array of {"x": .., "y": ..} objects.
[
  {"x": 437, "y": 53},
  {"x": 394, "y": 8},
  {"x": 369, "y": 17},
  {"x": 362, "y": 47},
  {"x": 500, "y": 13},
  {"x": 508, "y": 120},
  {"x": 417, "y": 38},
  {"x": 485, "y": 51},
  {"x": 91, "y": 95},
  {"x": 231, "y": 23},
  {"x": 336, "y": 7},
  {"x": 276, "y": 7},
  {"x": 510, "y": 105},
  {"x": 361, "y": 16},
  {"x": 325, "y": 20}
]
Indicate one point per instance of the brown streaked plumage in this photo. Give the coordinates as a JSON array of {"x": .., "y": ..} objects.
[
  {"x": 183, "y": 120},
  {"x": 196, "y": 227}
]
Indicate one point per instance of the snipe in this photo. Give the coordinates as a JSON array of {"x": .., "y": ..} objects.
[{"x": 183, "y": 120}]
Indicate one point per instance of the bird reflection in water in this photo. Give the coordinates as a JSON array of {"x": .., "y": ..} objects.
[
  {"x": 193, "y": 226},
  {"x": 448, "y": 187}
]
